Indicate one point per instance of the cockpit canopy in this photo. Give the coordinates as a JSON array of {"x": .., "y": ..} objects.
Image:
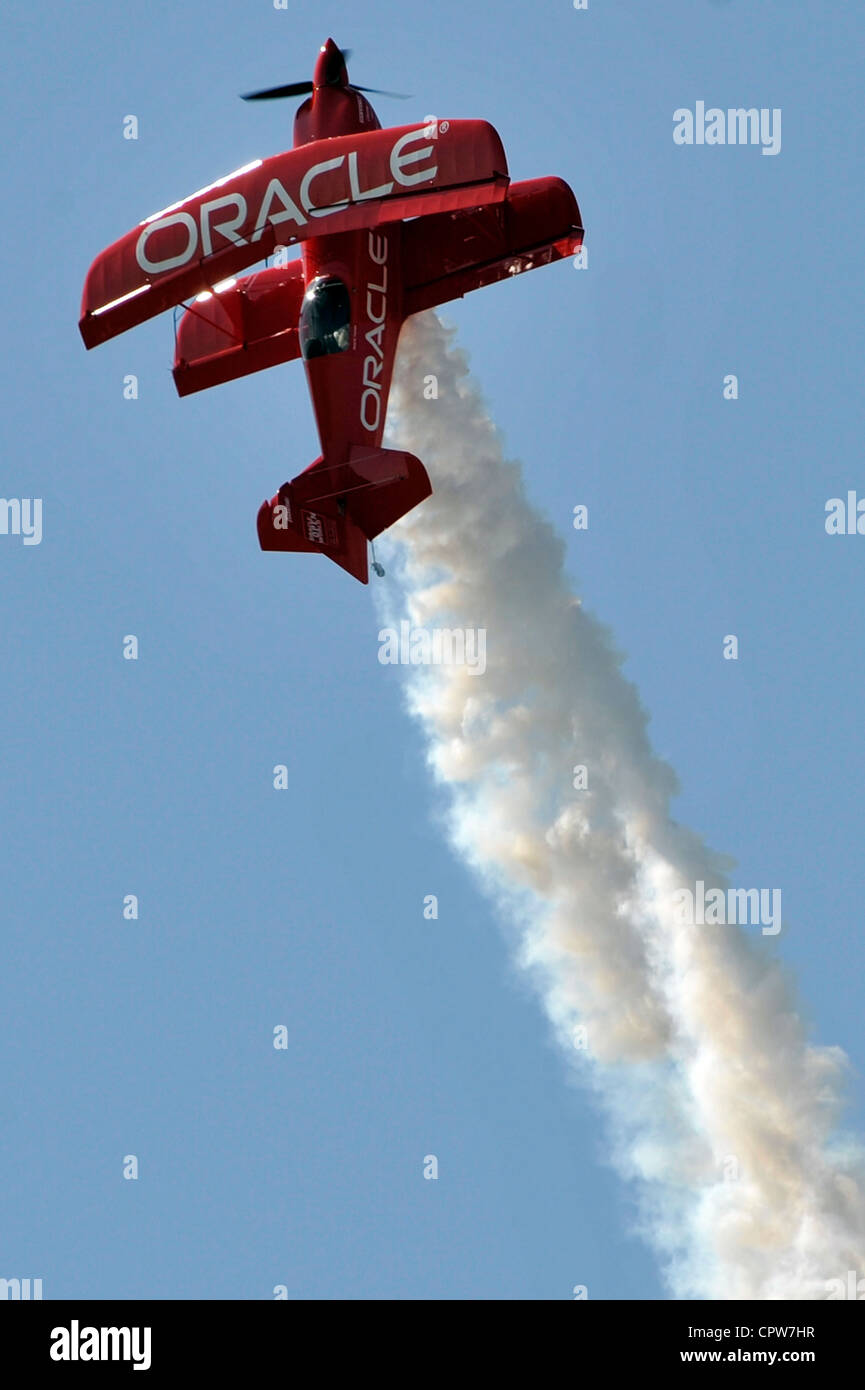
[{"x": 325, "y": 318}]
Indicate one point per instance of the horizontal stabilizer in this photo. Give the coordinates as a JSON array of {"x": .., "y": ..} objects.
[
  {"x": 336, "y": 509},
  {"x": 284, "y": 524}
]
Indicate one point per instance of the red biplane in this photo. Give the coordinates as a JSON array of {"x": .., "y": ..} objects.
[{"x": 389, "y": 222}]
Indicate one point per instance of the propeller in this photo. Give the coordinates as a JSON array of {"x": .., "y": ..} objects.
[
  {"x": 337, "y": 60},
  {"x": 380, "y": 92},
  {"x": 294, "y": 89}
]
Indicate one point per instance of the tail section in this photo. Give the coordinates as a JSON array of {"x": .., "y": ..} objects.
[{"x": 336, "y": 509}]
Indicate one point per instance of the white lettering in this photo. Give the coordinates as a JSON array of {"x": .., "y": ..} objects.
[
  {"x": 357, "y": 194},
  {"x": 278, "y": 205},
  {"x": 370, "y": 401},
  {"x": 307, "y": 179},
  {"x": 290, "y": 210},
  {"x": 373, "y": 395},
  {"x": 226, "y": 229},
  {"x": 398, "y": 159},
  {"x": 180, "y": 219}
]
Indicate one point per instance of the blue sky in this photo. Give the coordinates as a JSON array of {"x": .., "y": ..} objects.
[{"x": 303, "y": 1167}]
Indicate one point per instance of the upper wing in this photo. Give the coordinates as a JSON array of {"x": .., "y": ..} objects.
[
  {"x": 444, "y": 257},
  {"x": 336, "y": 185}
]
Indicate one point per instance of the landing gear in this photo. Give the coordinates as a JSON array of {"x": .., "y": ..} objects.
[{"x": 379, "y": 569}]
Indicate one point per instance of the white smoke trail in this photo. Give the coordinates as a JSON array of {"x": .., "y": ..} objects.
[{"x": 720, "y": 1109}]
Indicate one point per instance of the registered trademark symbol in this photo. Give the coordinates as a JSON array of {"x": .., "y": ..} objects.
[{"x": 443, "y": 125}]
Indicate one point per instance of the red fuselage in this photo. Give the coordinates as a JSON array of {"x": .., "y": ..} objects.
[{"x": 349, "y": 389}]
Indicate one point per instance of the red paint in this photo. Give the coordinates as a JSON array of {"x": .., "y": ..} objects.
[{"x": 343, "y": 194}]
